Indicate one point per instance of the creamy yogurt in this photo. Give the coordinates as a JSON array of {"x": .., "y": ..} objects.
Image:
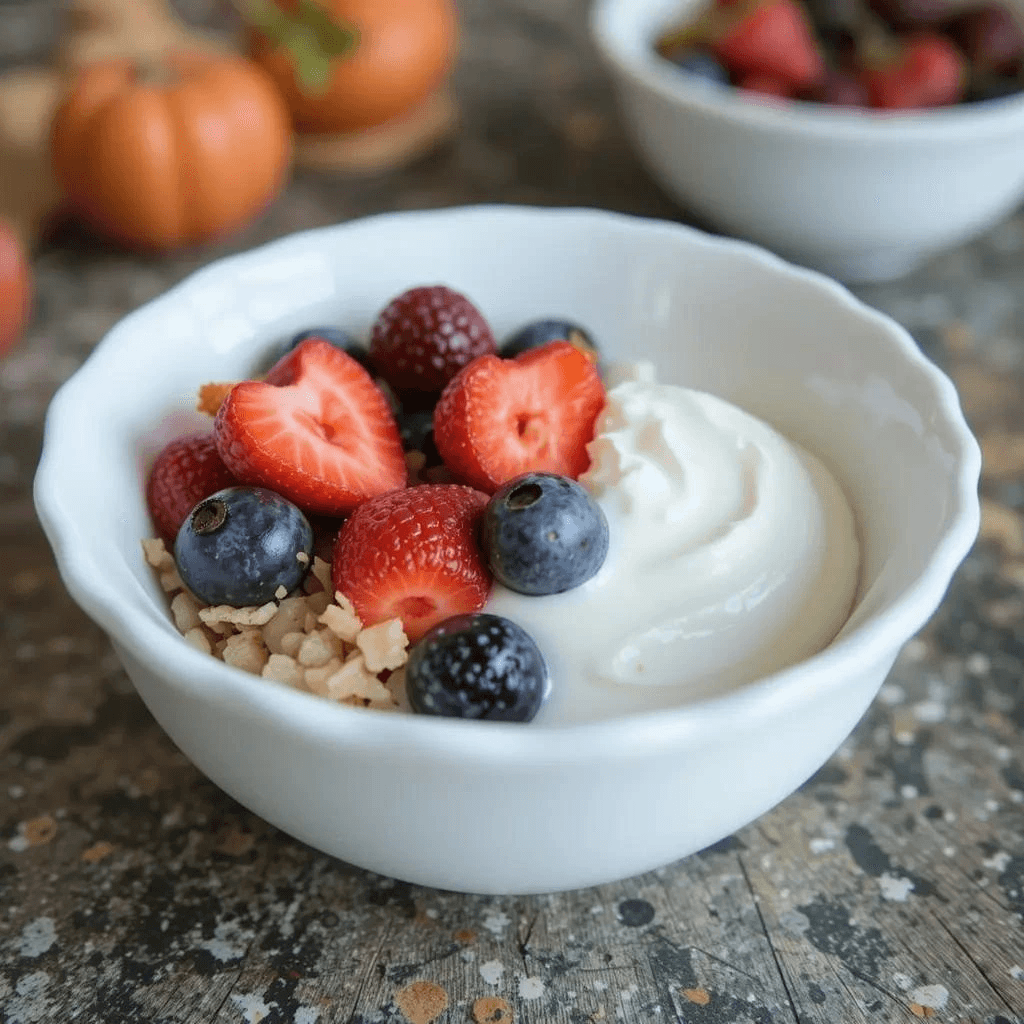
[{"x": 733, "y": 554}]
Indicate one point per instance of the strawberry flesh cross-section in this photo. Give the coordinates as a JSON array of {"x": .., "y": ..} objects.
[
  {"x": 317, "y": 430},
  {"x": 499, "y": 418}
]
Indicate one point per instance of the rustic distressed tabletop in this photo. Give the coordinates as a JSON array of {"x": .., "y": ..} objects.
[{"x": 890, "y": 887}]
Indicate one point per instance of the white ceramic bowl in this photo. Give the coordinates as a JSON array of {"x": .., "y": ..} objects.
[
  {"x": 498, "y": 808},
  {"x": 860, "y": 195}
]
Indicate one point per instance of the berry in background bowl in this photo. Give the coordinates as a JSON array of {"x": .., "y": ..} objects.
[
  {"x": 858, "y": 146},
  {"x": 421, "y": 796}
]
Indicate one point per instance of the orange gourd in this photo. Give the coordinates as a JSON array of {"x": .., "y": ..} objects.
[
  {"x": 404, "y": 51},
  {"x": 175, "y": 154}
]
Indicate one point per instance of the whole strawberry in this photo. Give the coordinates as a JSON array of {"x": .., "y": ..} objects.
[
  {"x": 769, "y": 38},
  {"x": 185, "y": 472},
  {"x": 927, "y": 70},
  {"x": 413, "y": 554},
  {"x": 422, "y": 338}
]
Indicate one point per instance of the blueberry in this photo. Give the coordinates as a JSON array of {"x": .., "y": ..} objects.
[
  {"x": 241, "y": 545},
  {"x": 543, "y": 533},
  {"x": 477, "y": 666},
  {"x": 701, "y": 65},
  {"x": 540, "y": 332},
  {"x": 416, "y": 428},
  {"x": 337, "y": 336}
]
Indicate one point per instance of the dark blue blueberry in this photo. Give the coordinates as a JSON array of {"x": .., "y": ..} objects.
[
  {"x": 241, "y": 545},
  {"x": 416, "y": 428},
  {"x": 540, "y": 332},
  {"x": 543, "y": 534},
  {"x": 993, "y": 88},
  {"x": 339, "y": 338},
  {"x": 477, "y": 666},
  {"x": 701, "y": 65}
]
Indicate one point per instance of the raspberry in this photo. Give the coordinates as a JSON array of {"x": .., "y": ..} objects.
[{"x": 425, "y": 336}]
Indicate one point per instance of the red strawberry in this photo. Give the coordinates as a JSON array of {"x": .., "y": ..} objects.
[
  {"x": 185, "y": 472},
  {"x": 502, "y": 417},
  {"x": 926, "y": 70},
  {"x": 316, "y": 430},
  {"x": 413, "y": 555},
  {"x": 771, "y": 37},
  {"x": 425, "y": 336}
]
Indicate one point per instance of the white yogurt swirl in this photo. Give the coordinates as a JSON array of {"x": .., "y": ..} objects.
[{"x": 733, "y": 554}]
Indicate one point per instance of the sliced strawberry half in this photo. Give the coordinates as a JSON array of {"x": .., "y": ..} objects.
[
  {"x": 316, "y": 429},
  {"x": 499, "y": 418},
  {"x": 186, "y": 471},
  {"x": 413, "y": 555}
]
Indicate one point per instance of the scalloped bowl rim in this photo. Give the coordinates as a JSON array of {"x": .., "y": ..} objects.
[
  {"x": 646, "y": 68},
  {"x": 168, "y": 656}
]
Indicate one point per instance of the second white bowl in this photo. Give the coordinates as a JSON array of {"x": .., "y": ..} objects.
[{"x": 859, "y": 195}]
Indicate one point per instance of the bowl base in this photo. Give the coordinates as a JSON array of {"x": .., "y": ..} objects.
[{"x": 871, "y": 267}]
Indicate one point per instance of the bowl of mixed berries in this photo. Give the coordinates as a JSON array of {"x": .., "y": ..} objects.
[
  {"x": 449, "y": 559},
  {"x": 858, "y": 137},
  {"x": 340, "y": 524}
]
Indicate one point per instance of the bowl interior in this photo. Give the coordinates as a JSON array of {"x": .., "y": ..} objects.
[{"x": 719, "y": 316}]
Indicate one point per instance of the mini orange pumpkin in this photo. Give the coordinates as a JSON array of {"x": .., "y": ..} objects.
[
  {"x": 403, "y": 52},
  {"x": 174, "y": 154}
]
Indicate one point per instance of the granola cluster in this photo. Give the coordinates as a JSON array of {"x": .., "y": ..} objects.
[{"x": 307, "y": 641}]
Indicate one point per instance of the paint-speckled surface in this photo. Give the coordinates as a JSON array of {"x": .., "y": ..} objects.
[{"x": 889, "y": 888}]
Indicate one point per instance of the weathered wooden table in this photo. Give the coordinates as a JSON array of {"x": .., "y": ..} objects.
[{"x": 891, "y": 886}]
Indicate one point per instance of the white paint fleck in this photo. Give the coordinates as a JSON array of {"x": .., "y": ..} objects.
[
  {"x": 37, "y": 937},
  {"x": 19, "y": 841},
  {"x": 949, "y": 851},
  {"x": 497, "y": 923},
  {"x": 909, "y": 792},
  {"x": 229, "y": 941},
  {"x": 599, "y": 985},
  {"x": 932, "y": 996},
  {"x": 15, "y": 792},
  {"x": 30, "y": 1004},
  {"x": 998, "y": 861},
  {"x": 904, "y": 738},
  {"x": 930, "y": 711},
  {"x": 1017, "y": 972},
  {"x": 467, "y": 955},
  {"x": 894, "y": 889},
  {"x": 978, "y": 664},
  {"x": 1017, "y": 796},
  {"x": 531, "y": 988},
  {"x": 949, "y": 817},
  {"x": 822, "y": 845},
  {"x": 627, "y": 993},
  {"x": 432, "y": 913},
  {"x": 1003, "y": 754},
  {"x": 251, "y": 1006},
  {"x": 902, "y": 981},
  {"x": 915, "y": 650},
  {"x": 892, "y": 694},
  {"x": 491, "y": 971},
  {"x": 991, "y": 806},
  {"x": 306, "y": 1015},
  {"x": 597, "y": 909}
]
